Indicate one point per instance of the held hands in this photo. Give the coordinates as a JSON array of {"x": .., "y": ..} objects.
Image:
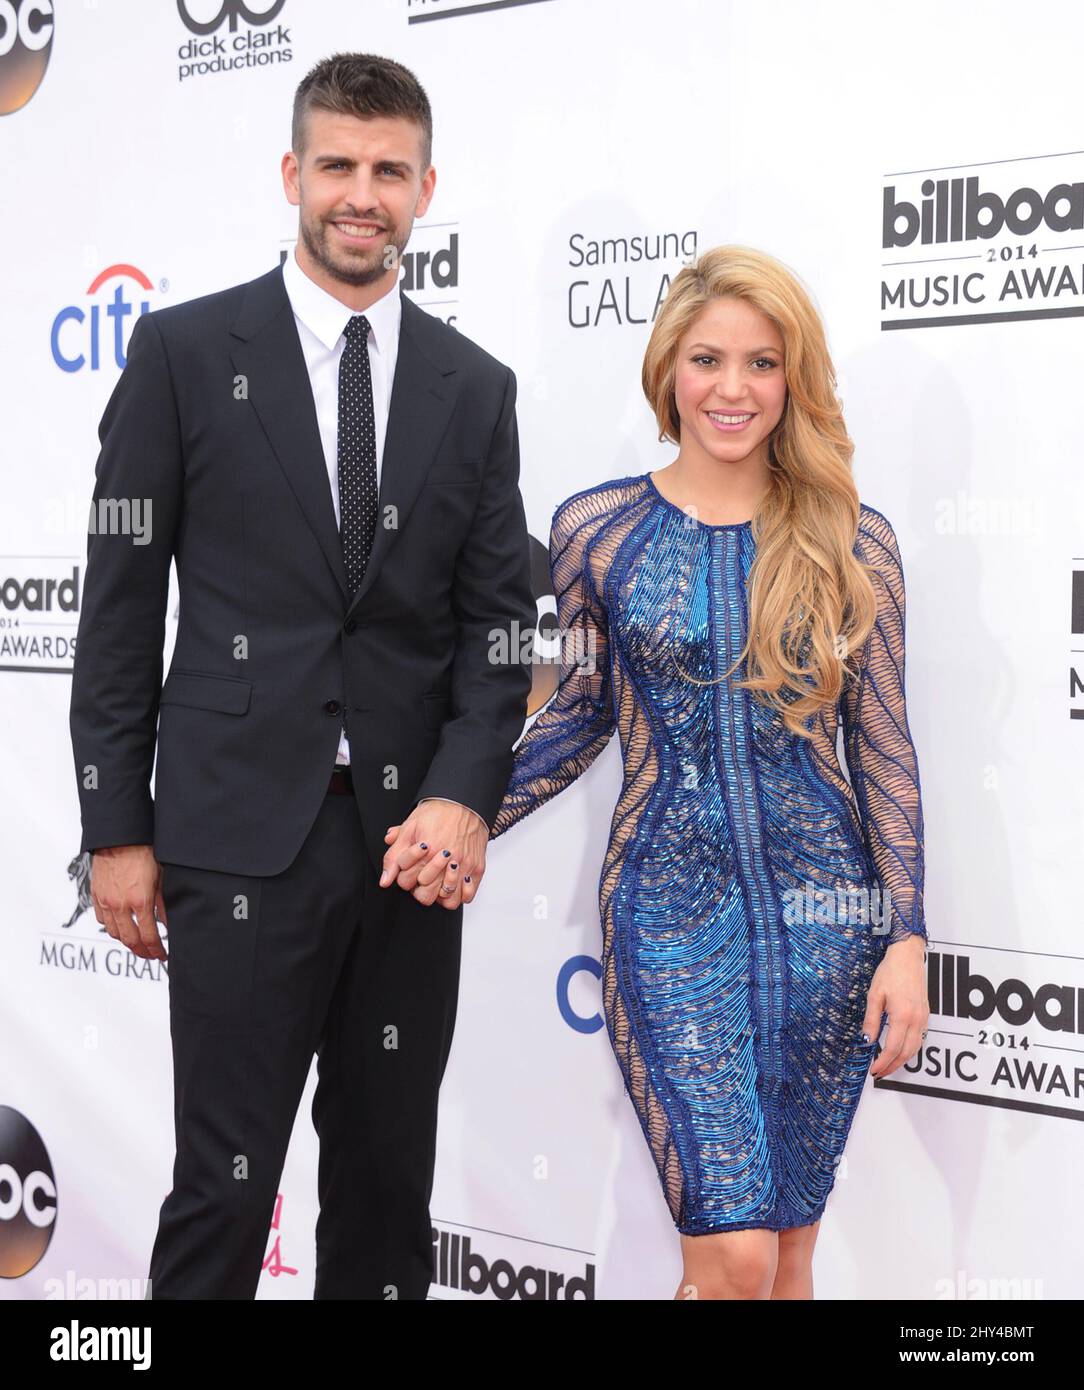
[
  {"x": 898, "y": 988},
  {"x": 440, "y": 846},
  {"x": 126, "y": 882}
]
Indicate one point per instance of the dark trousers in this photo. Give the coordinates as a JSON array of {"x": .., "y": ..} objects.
[{"x": 263, "y": 972}]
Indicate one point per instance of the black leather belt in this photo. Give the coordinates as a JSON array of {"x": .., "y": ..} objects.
[{"x": 342, "y": 780}]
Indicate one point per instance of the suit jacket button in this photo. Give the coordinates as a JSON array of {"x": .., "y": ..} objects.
[
  {"x": 332, "y": 706},
  {"x": 351, "y": 625}
]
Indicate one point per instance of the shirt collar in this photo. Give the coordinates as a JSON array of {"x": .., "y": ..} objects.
[{"x": 327, "y": 317}]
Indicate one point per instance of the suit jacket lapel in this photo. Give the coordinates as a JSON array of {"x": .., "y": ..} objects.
[{"x": 267, "y": 353}]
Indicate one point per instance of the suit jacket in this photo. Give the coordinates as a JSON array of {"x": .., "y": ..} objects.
[{"x": 213, "y": 421}]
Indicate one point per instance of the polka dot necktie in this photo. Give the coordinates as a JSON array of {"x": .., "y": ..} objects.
[{"x": 356, "y": 452}]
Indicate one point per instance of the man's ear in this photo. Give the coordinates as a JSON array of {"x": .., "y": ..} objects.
[
  {"x": 290, "y": 178},
  {"x": 425, "y": 197}
]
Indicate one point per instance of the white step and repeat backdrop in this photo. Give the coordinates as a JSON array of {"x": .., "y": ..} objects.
[{"x": 918, "y": 165}]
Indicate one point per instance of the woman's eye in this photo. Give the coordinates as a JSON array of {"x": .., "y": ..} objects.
[{"x": 766, "y": 362}]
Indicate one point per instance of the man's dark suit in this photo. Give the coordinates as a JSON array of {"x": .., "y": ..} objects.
[{"x": 213, "y": 420}]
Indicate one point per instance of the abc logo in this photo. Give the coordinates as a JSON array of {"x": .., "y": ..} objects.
[
  {"x": 27, "y": 1195},
  {"x": 26, "y": 39}
]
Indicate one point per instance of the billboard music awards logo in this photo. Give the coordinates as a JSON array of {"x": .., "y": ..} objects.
[
  {"x": 430, "y": 273},
  {"x": 471, "y": 1263},
  {"x": 1004, "y": 1032},
  {"x": 623, "y": 280},
  {"x": 429, "y": 268},
  {"x": 219, "y": 43},
  {"x": 1076, "y": 608},
  {"x": 39, "y": 612},
  {"x": 984, "y": 243},
  {"x": 26, "y": 41}
]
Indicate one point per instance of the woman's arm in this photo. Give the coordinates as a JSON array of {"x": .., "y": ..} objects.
[
  {"x": 880, "y": 753},
  {"x": 572, "y": 730}
]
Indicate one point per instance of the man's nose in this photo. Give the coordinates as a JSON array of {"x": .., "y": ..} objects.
[{"x": 363, "y": 196}]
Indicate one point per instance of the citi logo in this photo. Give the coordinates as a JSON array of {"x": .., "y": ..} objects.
[
  {"x": 82, "y": 334},
  {"x": 955, "y": 210},
  {"x": 956, "y": 991},
  {"x": 457, "y": 1266}
]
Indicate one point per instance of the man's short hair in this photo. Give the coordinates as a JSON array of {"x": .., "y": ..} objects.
[{"x": 365, "y": 85}]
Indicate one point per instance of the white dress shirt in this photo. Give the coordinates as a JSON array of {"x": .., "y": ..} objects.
[{"x": 321, "y": 319}]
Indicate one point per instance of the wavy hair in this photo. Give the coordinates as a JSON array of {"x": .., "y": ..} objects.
[{"x": 810, "y": 599}]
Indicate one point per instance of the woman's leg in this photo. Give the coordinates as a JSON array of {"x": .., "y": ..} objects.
[
  {"x": 794, "y": 1272},
  {"x": 729, "y": 1264}
]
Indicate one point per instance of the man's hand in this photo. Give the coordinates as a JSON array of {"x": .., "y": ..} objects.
[
  {"x": 126, "y": 881},
  {"x": 454, "y": 856}
]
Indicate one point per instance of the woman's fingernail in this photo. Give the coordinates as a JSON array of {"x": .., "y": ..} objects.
[
  {"x": 865, "y": 1037},
  {"x": 453, "y": 866},
  {"x": 446, "y": 852},
  {"x": 424, "y": 845},
  {"x": 466, "y": 878}
]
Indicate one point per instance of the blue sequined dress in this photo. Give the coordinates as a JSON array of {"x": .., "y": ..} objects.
[{"x": 735, "y": 956}]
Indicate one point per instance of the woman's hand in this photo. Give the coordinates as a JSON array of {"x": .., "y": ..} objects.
[
  {"x": 438, "y": 853},
  {"x": 898, "y": 988}
]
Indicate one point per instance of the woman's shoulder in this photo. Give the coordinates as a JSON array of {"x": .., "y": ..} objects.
[
  {"x": 874, "y": 528},
  {"x": 877, "y": 545},
  {"x": 599, "y": 503}
]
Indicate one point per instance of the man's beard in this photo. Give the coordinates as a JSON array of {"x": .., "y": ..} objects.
[{"x": 348, "y": 270}]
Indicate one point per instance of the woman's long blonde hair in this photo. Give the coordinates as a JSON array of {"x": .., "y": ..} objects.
[{"x": 810, "y": 599}]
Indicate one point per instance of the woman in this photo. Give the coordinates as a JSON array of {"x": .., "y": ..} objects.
[{"x": 748, "y": 957}]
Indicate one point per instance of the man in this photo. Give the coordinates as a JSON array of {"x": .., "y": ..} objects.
[{"x": 336, "y": 474}]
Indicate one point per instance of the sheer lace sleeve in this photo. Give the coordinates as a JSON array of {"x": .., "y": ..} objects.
[
  {"x": 880, "y": 753},
  {"x": 572, "y": 730}
]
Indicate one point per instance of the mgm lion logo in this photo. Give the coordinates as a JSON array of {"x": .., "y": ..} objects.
[{"x": 79, "y": 873}]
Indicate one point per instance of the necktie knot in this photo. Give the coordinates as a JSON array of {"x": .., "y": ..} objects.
[{"x": 357, "y": 327}]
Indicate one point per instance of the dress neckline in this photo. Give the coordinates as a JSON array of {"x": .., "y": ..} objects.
[{"x": 707, "y": 525}]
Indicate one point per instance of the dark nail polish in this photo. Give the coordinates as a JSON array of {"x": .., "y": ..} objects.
[
  {"x": 466, "y": 878},
  {"x": 424, "y": 845},
  {"x": 865, "y": 1037},
  {"x": 446, "y": 852}
]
